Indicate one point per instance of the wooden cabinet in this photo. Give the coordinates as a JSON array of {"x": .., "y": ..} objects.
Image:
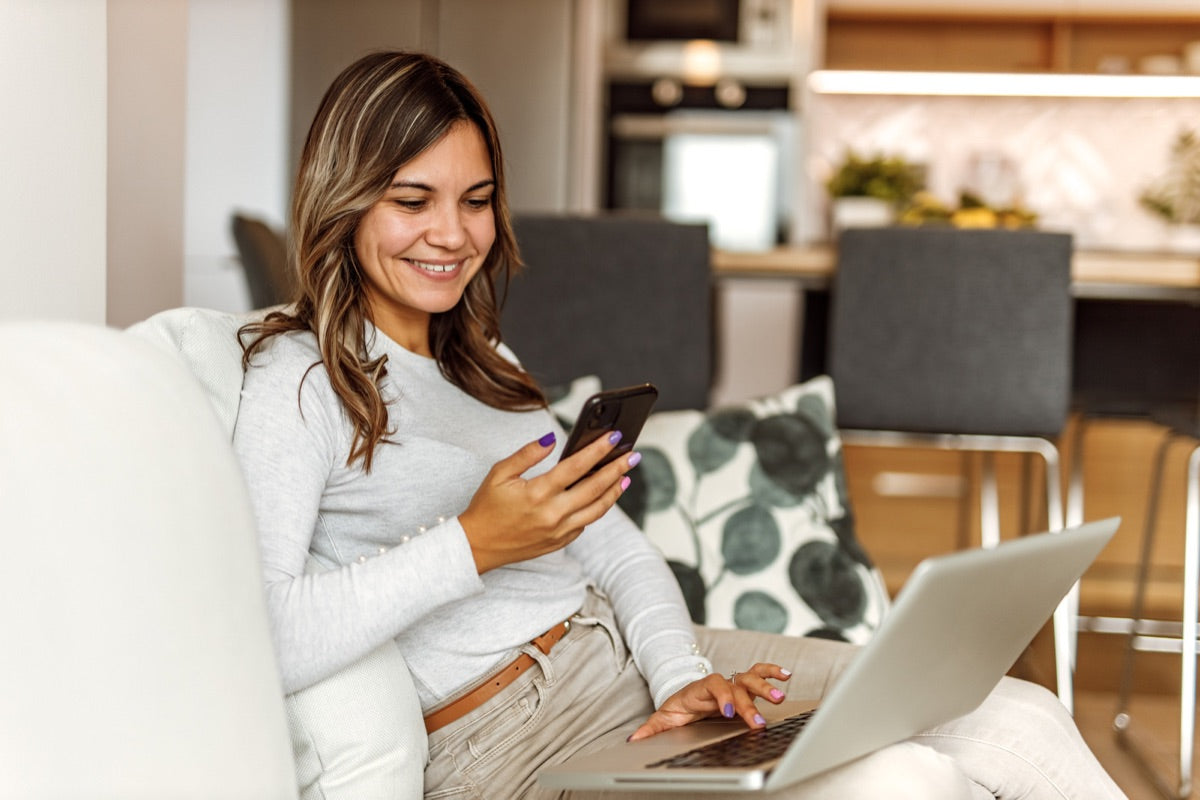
[{"x": 1010, "y": 35}]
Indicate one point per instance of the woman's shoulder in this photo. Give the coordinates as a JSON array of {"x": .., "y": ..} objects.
[
  {"x": 290, "y": 357},
  {"x": 282, "y": 349}
]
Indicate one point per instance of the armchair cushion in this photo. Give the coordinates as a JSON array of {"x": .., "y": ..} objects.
[
  {"x": 749, "y": 505},
  {"x": 333, "y": 723},
  {"x": 137, "y": 659}
]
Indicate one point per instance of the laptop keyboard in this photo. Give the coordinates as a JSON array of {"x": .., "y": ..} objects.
[{"x": 754, "y": 746}]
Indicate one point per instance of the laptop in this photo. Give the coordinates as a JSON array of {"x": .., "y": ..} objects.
[{"x": 959, "y": 624}]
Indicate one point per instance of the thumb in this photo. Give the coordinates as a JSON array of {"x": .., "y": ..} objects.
[
  {"x": 515, "y": 465},
  {"x": 655, "y": 724}
]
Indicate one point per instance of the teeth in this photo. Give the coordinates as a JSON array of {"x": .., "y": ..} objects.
[{"x": 435, "y": 267}]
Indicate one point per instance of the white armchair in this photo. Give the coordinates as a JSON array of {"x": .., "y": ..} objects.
[{"x": 137, "y": 661}]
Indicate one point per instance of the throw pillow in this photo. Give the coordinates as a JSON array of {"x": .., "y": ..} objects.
[
  {"x": 749, "y": 505},
  {"x": 566, "y": 400}
]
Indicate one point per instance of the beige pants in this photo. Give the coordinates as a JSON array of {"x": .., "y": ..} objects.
[{"x": 588, "y": 694}]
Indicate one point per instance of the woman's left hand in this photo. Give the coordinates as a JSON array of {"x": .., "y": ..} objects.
[{"x": 717, "y": 694}]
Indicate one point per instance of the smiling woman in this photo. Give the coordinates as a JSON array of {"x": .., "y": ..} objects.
[
  {"x": 408, "y": 486},
  {"x": 423, "y": 242}
]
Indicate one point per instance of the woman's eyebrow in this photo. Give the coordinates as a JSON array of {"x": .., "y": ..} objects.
[{"x": 403, "y": 184}]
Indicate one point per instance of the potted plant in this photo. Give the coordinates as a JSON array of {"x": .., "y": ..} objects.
[
  {"x": 1176, "y": 197},
  {"x": 871, "y": 190}
]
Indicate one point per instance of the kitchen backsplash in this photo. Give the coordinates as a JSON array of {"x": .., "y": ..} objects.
[{"x": 1078, "y": 163}]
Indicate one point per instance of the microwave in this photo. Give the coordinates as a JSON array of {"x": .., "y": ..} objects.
[{"x": 740, "y": 22}]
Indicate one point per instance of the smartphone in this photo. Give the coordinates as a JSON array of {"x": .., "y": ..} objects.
[{"x": 624, "y": 410}]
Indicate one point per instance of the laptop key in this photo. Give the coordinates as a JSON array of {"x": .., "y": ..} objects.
[{"x": 746, "y": 749}]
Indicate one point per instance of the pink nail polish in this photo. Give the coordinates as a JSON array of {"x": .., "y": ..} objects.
[
  {"x": 787, "y": 673},
  {"x": 625, "y": 481},
  {"x": 776, "y": 694}
]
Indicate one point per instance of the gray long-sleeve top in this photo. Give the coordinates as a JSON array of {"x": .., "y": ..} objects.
[{"x": 399, "y": 562}]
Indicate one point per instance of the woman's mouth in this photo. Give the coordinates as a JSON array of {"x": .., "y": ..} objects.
[{"x": 435, "y": 268}]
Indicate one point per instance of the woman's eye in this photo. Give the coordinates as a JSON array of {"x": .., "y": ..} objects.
[
  {"x": 479, "y": 203},
  {"x": 411, "y": 204}
]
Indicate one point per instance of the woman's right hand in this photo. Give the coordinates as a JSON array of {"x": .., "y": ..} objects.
[{"x": 512, "y": 518}]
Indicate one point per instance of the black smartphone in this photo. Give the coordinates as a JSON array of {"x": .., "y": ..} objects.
[{"x": 624, "y": 410}]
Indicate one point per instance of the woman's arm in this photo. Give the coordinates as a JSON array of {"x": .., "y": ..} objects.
[
  {"x": 646, "y": 599},
  {"x": 288, "y": 449}
]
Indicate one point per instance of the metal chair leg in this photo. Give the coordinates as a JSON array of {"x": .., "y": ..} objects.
[
  {"x": 1064, "y": 615},
  {"x": 1187, "y": 639},
  {"x": 989, "y": 503},
  {"x": 1125, "y": 686}
]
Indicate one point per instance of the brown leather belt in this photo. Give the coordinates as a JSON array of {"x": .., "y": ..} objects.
[{"x": 491, "y": 687}]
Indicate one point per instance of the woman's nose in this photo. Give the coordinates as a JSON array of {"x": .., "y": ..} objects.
[{"x": 446, "y": 228}]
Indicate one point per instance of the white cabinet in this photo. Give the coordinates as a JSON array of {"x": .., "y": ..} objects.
[{"x": 529, "y": 58}]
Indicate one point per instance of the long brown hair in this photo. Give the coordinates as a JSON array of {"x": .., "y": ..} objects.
[{"x": 378, "y": 114}]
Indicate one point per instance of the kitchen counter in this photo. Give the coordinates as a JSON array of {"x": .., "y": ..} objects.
[{"x": 1117, "y": 275}]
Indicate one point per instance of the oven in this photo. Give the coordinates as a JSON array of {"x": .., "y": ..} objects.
[{"x": 720, "y": 152}]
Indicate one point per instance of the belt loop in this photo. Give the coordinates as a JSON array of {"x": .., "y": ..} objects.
[{"x": 543, "y": 660}]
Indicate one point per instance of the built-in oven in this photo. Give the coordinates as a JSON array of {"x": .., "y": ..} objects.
[{"x": 720, "y": 152}]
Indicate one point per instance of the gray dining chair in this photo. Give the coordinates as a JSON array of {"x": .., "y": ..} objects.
[
  {"x": 628, "y": 298},
  {"x": 959, "y": 339}
]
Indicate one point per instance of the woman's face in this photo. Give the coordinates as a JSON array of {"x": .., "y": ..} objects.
[{"x": 423, "y": 241}]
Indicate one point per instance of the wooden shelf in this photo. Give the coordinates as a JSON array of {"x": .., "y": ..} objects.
[{"x": 992, "y": 41}]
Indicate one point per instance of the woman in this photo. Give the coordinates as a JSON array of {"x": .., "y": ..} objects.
[{"x": 387, "y": 433}]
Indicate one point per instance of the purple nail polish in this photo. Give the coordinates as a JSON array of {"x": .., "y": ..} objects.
[
  {"x": 634, "y": 459},
  {"x": 547, "y": 440},
  {"x": 625, "y": 481},
  {"x": 614, "y": 437},
  {"x": 776, "y": 694},
  {"x": 758, "y": 720},
  {"x": 728, "y": 710}
]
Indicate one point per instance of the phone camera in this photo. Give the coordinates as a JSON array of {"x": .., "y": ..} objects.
[{"x": 605, "y": 414}]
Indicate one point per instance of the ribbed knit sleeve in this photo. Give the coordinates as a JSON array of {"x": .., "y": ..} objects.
[{"x": 649, "y": 606}]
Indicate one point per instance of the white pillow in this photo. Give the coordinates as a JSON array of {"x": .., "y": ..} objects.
[{"x": 206, "y": 342}]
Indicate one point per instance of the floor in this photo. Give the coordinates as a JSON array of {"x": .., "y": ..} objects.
[{"x": 1158, "y": 715}]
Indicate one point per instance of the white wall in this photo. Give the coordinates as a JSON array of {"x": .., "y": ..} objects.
[
  {"x": 147, "y": 66},
  {"x": 53, "y": 159},
  {"x": 529, "y": 95},
  {"x": 237, "y": 117}
]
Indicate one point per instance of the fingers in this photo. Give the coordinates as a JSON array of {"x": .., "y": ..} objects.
[
  {"x": 716, "y": 694},
  {"x": 515, "y": 465},
  {"x": 754, "y": 681},
  {"x": 573, "y": 470},
  {"x": 648, "y": 728},
  {"x": 736, "y": 695}
]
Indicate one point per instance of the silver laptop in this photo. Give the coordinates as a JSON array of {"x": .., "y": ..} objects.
[{"x": 957, "y": 627}]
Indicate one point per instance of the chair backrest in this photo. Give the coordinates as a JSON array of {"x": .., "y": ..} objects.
[
  {"x": 947, "y": 330},
  {"x": 263, "y": 253},
  {"x": 137, "y": 656},
  {"x": 627, "y": 298}
]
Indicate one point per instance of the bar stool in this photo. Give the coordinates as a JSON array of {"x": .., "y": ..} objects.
[
  {"x": 1160, "y": 636},
  {"x": 958, "y": 339}
]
